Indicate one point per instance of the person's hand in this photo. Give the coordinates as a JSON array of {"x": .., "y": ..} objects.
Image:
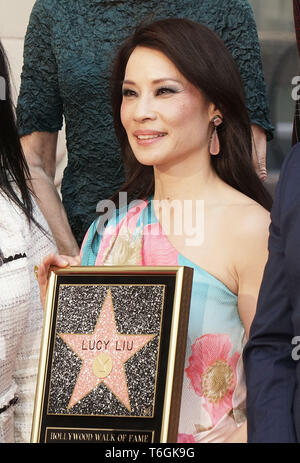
[
  {"x": 43, "y": 270},
  {"x": 259, "y": 150}
]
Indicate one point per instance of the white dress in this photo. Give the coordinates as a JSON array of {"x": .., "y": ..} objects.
[{"x": 21, "y": 316}]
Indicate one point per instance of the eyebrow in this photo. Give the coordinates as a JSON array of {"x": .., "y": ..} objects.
[{"x": 156, "y": 81}]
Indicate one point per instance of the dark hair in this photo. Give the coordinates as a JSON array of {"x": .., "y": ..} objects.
[
  {"x": 13, "y": 166},
  {"x": 203, "y": 59}
]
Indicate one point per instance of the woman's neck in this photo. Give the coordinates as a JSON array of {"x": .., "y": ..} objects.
[{"x": 171, "y": 184}]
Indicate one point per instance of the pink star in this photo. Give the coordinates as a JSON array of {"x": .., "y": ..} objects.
[{"x": 103, "y": 354}]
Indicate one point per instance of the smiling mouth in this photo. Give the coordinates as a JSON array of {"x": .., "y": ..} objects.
[{"x": 149, "y": 137}]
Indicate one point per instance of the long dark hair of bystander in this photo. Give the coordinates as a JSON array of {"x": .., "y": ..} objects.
[{"x": 14, "y": 171}]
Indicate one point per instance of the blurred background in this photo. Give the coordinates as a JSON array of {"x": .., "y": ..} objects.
[{"x": 275, "y": 25}]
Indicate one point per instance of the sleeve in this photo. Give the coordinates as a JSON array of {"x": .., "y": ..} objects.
[
  {"x": 39, "y": 104},
  {"x": 269, "y": 364},
  {"x": 240, "y": 35}
]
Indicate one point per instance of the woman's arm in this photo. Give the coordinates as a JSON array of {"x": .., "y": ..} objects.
[
  {"x": 40, "y": 117},
  {"x": 40, "y": 152},
  {"x": 251, "y": 256}
]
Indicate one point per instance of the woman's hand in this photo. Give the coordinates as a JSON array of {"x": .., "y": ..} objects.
[
  {"x": 259, "y": 150},
  {"x": 43, "y": 270}
]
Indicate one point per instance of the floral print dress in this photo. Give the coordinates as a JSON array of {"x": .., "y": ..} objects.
[{"x": 214, "y": 391}]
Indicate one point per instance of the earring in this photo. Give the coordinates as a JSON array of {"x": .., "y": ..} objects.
[{"x": 214, "y": 146}]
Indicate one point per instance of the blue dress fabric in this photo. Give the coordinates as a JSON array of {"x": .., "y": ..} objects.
[{"x": 213, "y": 403}]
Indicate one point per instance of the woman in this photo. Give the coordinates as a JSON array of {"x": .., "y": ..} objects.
[
  {"x": 24, "y": 241},
  {"x": 67, "y": 55},
  {"x": 185, "y": 138}
]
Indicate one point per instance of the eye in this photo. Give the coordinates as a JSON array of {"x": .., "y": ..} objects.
[
  {"x": 127, "y": 92},
  {"x": 165, "y": 91}
]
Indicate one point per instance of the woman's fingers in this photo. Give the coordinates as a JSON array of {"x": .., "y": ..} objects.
[
  {"x": 259, "y": 150},
  {"x": 55, "y": 260}
]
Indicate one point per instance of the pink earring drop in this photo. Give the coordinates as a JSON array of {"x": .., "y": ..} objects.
[{"x": 214, "y": 147}]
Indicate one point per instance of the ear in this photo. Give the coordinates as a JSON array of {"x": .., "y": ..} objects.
[{"x": 213, "y": 111}]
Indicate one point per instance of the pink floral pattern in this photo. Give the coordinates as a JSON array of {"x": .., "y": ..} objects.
[
  {"x": 156, "y": 247},
  {"x": 212, "y": 373},
  {"x": 214, "y": 392},
  {"x": 185, "y": 439}
]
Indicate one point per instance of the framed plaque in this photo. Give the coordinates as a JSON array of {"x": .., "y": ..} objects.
[{"x": 112, "y": 355}]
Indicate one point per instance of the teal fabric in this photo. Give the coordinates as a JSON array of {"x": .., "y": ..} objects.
[
  {"x": 213, "y": 305},
  {"x": 213, "y": 393},
  {"x": 68, "y": 50}
]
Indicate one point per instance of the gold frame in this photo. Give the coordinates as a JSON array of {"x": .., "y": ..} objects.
[{"x": 176, "y": 353}]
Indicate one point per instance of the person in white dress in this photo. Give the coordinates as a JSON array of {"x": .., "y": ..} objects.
[{"x": 25, "y": 240}]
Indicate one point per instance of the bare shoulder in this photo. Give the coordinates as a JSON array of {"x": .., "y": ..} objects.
[
  {"x": 250, "y": 218},
  {"x": 246, "y": 221},
  {"x": 250, "y": 232}
]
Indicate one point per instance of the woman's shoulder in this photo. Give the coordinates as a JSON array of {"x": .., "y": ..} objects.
[
  {"x": 252, "y": 219},
  {"x": 249, "y": 224},
  {"x": 245, "y": 216},
  {"x": 244, "y": 232},
  {"x": 249, "y": 213}
]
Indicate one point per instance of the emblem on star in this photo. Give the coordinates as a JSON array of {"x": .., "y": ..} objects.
[{"x": 103, "y": 354}]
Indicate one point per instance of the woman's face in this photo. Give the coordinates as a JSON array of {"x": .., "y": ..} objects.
[{"x": 166, "y": 118}]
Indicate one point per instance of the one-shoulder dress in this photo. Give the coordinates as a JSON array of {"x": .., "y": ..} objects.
[{"x": 214, "y": 391}]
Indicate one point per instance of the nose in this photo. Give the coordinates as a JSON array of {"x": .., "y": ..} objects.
[{"x": 144, "y": 109}]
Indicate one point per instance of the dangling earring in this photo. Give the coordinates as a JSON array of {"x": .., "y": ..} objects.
[{"x": 214, "y": 146}]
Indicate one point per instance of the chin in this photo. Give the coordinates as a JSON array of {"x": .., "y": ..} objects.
[{"x": 147, "y": 160}]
